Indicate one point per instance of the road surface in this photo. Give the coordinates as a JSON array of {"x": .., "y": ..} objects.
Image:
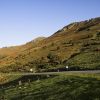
[{"x": 51, "y": 73}]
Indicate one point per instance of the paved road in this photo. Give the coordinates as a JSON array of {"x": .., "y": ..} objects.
[{"x": 51, "y": 73}]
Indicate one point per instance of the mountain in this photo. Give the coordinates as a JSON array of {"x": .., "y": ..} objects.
[{"x": 76, "y": 45}]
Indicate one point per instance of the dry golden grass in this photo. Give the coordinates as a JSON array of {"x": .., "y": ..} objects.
[{"x": 65, "y": 43}]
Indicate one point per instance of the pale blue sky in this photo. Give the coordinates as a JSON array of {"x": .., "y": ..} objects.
[{"x": 23, "y": 20}]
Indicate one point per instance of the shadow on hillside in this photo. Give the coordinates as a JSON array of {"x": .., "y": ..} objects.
[
  {"x": 74, "y": 88},
  {"x": 25, "y": 79},
  {"x": 56, "y": 88}
]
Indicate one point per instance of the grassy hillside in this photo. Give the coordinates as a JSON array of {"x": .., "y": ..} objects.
[
  {"x": 76, "y": 45},
  {"x": 70, "y": 86}
]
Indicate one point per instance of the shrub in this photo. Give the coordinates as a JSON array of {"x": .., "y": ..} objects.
[{"x": 53, "y": 58}]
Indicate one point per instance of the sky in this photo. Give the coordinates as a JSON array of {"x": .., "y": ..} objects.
[{"x": 23, "y": 20}]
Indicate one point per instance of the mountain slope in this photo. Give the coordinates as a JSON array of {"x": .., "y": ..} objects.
[{"x": 76, "y": 45}]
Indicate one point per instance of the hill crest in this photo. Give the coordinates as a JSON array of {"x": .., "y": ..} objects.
[{"x": 76, "y": 45}]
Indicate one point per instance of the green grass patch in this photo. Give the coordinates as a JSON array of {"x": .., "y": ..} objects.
[{"x": 66, "y": 86}]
